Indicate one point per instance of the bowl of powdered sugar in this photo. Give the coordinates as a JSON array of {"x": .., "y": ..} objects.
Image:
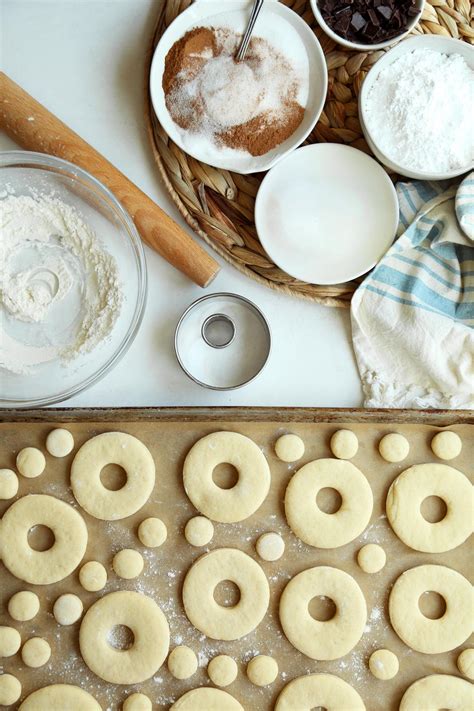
[
  {"x": 72, "y": 279},
  {"x": 416, "y": 107},
  {"x": 240, "y": 116}
]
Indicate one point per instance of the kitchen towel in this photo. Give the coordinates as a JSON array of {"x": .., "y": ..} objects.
[{"x": 413, "y": 316}]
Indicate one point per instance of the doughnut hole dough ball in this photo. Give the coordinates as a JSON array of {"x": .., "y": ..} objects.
[
  {"x": 10, "y": 689},
  {"x": 199, "y": 531},
  {"x": 35, "y": 652},
  {"x": 270, "y": 546},
  {"x": 262, "y": 670},
  {"x": 93, "y": 576},
  {"x": 137, "y": 702},
  {"x": 344, "y": 444},
  {"x": 243, "y": 499},
  {"x": 112, "y": 448},
  {"x": 289, "y": 448},
  {"x": 313, "y": 690},
  {"x": 316, "y": 527},
  {"x": 394, "y": 447},
  {"x": 465, "y": 663},
  {"x": 23, "y": 605},
  {"x": 207, "y": 699},
  {"x": 182, "y": 662},
  {"x": 151, "y": 637},
  {"x": 419, "y": 632},
  {"x": 8, "y": 484},
  {"x": 446, "y": 445},
  {"x": 10, "y": 641},
  {"x": 152, "y": 532},
  {"x": 438, "y": 691},
  {"x": 332, "y": 638},
  {"x": 371, "y": 558},
  {"x": 128, "y": 563},
  {"x": 67, "y": 551},
  {"x": 58, "y": 697},
  {"x": 30, "y": 462},
  {"x": 202, "y": 610},
  {"x": 59, "y": 442},
  {"x": 408, "y": 492},
  {"x": 67, "y": 609},
  {"x": 384, "y": 664},
  {"x": 222, "y": 670}
]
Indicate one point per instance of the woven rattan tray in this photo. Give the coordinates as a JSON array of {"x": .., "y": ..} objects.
[{"x": 219, "y": 206}]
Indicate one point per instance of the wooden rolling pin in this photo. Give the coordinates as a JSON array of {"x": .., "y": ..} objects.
[{"x": 47, "y": 134}]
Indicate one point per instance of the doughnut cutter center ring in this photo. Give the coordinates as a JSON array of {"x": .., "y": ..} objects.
[
  {"x": 222, "y": 341},
  {"x": 218, "y": 331}
]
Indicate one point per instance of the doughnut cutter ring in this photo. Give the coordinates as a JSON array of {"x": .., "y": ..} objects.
[{"x": 222, "y": 341}]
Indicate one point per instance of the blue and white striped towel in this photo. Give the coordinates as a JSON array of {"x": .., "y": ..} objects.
[{"x": 413, "y": 316}]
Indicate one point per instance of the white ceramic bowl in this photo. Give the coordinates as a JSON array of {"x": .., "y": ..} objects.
[
  {"x": 327, "y": 213},
  {"x": 438, "y": 44},
  {"x": 234, "y": 14},
  {"x": 358, "y": 46}
]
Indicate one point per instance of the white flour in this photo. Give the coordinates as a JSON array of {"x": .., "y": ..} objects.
[
  {"x": 419, "y": 111},
  {"x": 59, "y": 290}
]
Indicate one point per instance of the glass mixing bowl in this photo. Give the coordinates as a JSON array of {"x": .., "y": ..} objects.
[{"x": 26, "y": 173}]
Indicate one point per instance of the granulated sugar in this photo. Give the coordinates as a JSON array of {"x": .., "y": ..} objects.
[{"x": 419, "y": 111}]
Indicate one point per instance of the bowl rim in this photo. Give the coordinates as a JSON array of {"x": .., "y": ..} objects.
[
  {"x": 357, "y": 45},
  {"x": 35, "y": 160},
  {"x": 209, "y": 8},
  {"x": 329, "y": 146},
  {"x": 409, "y": 45}
]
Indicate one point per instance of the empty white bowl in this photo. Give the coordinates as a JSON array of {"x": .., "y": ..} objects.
[
  {"x": 273, "y": 18},
  {"x": 356, "y": 45},
  {"x": 327, "y": 213},
  {"x": 437, "y": 43}
]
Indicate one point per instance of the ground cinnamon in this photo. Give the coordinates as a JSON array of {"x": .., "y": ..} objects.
[{"x": 251, "y": 105}]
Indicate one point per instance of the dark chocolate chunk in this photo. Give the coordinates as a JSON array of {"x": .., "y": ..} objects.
[{"x": 368, "y": 21}]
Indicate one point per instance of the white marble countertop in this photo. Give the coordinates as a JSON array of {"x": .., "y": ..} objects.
[{"x": 83, "y": 59}]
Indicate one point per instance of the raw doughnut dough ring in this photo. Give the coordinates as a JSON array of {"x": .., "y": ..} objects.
[
  {"x": 206, "y": 698},
  {"x": 438, "y": 691},
  {"x": 67, "y": 551},
  {"x": 419, "y": 632},
  {"x": 151, "y": 637},
  {"x": 406, "y": 495},
  {"x": 316, "y": 527},
  {"x": 330, "y": 639},
  {"x": 112, "y": 448},
  {"x": 326, "y": 690},
  {"x": 243, "y": 499},
  {"x": 214, "y": 620},
  {"x": 60, "y": 696}
]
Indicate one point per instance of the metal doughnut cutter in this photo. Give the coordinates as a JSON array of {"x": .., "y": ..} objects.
[{"x": 222, "y": 341}]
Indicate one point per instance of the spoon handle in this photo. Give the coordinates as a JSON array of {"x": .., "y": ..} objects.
[{"x": 257, "y": 6}]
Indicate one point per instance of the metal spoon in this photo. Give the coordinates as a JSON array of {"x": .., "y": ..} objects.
[{"x": 257, "y": 6}]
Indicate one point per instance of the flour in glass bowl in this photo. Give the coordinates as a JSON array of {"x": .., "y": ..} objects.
[{"x": 60, "y": 295}]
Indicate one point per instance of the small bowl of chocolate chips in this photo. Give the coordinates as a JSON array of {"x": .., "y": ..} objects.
[{"x": 367, "y": 24}]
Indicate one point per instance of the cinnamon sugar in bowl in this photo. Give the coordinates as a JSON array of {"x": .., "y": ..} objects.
[{"x": 240, "y": 116}]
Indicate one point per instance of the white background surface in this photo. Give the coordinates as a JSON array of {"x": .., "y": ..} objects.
[{"x": 84, "y": 59}]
